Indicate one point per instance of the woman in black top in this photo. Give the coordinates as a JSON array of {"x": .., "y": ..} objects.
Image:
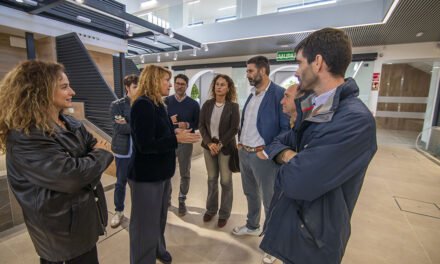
[{"x": 152, "y": 165}]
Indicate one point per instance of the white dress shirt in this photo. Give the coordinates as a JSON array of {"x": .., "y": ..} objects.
[{"x": 249, "y": 133}]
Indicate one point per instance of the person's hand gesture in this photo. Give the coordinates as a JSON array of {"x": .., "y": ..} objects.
[
  {"x": 174, "y": 119},
  {"x": 213, "y": 148},
  {"x": 101, "y": 144},
  {"x": 185, "y": 136}
]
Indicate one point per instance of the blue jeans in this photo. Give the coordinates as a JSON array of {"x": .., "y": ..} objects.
[
  {"x": 258, "y": 179},
  {"x": 121, "y": 182}
]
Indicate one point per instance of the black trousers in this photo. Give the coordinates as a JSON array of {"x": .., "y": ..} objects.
[{"x": 90, "y": 257}]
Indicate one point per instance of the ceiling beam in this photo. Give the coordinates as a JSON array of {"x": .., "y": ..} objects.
[
  {"x": 141, "y": 35},
  {"x": 98, "y": 5},
  {"x": 144, "y": 45},
  {"x": 48, "y": 4}
]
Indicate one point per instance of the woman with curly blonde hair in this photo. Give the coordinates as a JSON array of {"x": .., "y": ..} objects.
[
  {"x": 54, "y": 165},
  {"x": 152, "y": 165}
]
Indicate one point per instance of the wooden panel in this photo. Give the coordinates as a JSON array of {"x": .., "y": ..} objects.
[
  {"x": 9, "y": 56},
  {"x": 46, "y": 49},
  {"x": 399, "y": 123},
  {"x": 104, "y": 62},
  {"x": 400, "y": 107},
  {"x": 404, "y": 80}
]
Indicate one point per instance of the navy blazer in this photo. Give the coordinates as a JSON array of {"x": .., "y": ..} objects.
[
  {"x": 154, "y": 140},
  {"x": 271, "y": 121}
]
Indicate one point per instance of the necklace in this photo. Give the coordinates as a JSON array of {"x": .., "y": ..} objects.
[{"x": 219, "y": 104}]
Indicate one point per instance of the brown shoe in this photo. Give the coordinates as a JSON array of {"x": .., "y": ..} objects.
[
  {"x": 207, "y": 217},
  {"x": 222, "y": 222}
]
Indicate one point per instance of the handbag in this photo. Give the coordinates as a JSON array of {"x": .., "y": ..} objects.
[{"x": 234, "y": 162}]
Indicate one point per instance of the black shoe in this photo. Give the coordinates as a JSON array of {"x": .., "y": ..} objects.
[
  {"x": 182, "y": 208},
  {"x": 165, "y": 258},
  {"x": 207, "y": 217},
  {"x": 222, "y": 222}
]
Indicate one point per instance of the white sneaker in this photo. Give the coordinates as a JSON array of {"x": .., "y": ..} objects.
[
  {"x": 243, "y": 230},
  {"x": 268, "y": 259},
  {"x": 116, "y": 219}
]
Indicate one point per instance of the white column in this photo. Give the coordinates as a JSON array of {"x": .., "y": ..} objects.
[{"x": 432, "y": 99}]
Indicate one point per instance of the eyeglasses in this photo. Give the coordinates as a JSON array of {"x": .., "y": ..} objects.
[{"x": 181, "y": 84}]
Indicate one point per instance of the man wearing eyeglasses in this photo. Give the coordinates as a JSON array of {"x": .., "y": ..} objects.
[{"x": 184, "y": 113}]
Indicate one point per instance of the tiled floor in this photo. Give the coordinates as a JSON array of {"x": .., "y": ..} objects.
[{"x": 398, "y": 178}]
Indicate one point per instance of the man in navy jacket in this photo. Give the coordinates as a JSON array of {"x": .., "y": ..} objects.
[
  {"x": 262, "y": 120},
  {"x": 324, "y": 158},
  {"x": 122, "y": 144}
]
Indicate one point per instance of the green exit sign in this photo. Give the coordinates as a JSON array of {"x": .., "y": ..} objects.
[{"x": 286, "y": 56}]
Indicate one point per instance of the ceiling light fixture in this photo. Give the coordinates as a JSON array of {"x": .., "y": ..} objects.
[
  {"x": 30, "y": 2},
  {"x": 19, "y": 1},
  {"x": 419, "y": 34},
  {"x": 195, "y": 24},
  {"x": 83, "y": 19},
  {"x": 158, "y": 57},
  {"x": 304, "y": 5},
  {"x": 167, "y": 54},
  {"x": 175, "y": 56},
  {"x": 224, "y": 19},
  {"x": 227, "y": 7},
  {"x": 129, "y": 30},
  {"x": 148, "y": 4},
  {"x": 170, "y": 32},
  {"x": 193, "y": 2},
  {"x": 80, "y": 1},
  {"x": 142, "y": 58}
]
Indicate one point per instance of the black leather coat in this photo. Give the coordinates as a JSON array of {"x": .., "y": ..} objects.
[{"x": 55, "y": 179}]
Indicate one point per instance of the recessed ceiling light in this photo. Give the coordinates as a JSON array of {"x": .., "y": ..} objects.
[
  {"x": 227, "y": 7},
  {"x": 83, "y": 19},
  {"x": 29, "y": 2},
  {"x": 193, "y": 2},
  {"x": 148, "y": 4},
  {"x": 419, "y": 34}
]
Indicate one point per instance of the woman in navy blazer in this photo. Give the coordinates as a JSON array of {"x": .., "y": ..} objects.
[{"x": 151, "y": 166}]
